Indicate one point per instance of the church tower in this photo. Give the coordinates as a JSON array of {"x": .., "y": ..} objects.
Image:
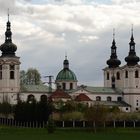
[
  {"x": 131, "y": 74},
  {"x": 112, "y": 74},
  {"x": 9, "y": 69}
]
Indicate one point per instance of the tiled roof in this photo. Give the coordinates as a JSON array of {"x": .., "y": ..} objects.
[
  {"x": 59, "y": 94},
  {"x": 82, "y": 97}
]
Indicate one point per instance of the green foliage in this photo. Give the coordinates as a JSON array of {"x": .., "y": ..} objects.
[
  {"x": 96, "y": 113},
  {"x": 6, "y": 109},
  {"x": 51, "y": 126},
  {"x": 32, "y": 111},
  {"x": 30, "y": 77},
  {"x": 73, "y": 116}
]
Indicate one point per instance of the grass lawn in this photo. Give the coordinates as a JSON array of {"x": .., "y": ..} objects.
[{"x": 73, "y": 134}]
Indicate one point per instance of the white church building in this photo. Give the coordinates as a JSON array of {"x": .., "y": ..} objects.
[{"x": 121, "y": 83}]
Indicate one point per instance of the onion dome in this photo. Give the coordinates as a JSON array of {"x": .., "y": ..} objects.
[
  {"x": 8, "y": 48},
  {"x": 113, "y": 62},
  {"x": 132, "y": 59},
  {"x": 66, "y": 74}
]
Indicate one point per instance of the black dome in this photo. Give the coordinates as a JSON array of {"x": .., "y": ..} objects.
[
  {"x": 113, "y": 62},
  {"x": 8, "y": 48},
  {"x": 132, "y": 59}
]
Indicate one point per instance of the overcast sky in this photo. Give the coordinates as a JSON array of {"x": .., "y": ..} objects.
[{"x": 44, "y": 30}]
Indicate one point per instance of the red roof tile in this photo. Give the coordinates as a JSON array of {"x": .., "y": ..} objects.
[
  {"x": 82, "y": 97},
  {"x": 59, "y": 94}
]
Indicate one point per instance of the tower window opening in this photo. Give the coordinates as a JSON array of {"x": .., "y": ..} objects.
[
  {"x": 0, "y": 71},
  {"x": 107, "y": 76},
  {"x": 71, "y": 85},
  {"x": 136, "y": 74},
  {"x": 12, "y": 75},
  {"x": 126, "y": 74},
  {"x": 64, "y": 86},
  {"x": 0, "y": 74},
  {"x": 0, "y": 67},
  {"x": 118, "y": 76}
]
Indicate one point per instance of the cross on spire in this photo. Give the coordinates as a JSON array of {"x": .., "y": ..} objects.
[
  {"x": 113, "y": 33},
  {"x": 8, "y": 14}
]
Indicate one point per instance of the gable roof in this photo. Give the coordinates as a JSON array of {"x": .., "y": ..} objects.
[
  {"x": 82, "y": 97},
  {"x": 59, "y": 93}
]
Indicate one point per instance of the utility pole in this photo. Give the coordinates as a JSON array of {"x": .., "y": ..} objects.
[{"x": 50, "y": 82}]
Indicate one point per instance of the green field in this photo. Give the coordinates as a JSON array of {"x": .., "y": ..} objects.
[{"x": 41, "y": 134}]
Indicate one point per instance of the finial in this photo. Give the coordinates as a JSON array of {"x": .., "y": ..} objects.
[
  {"x": 132, "y": 38},
  {"x": 132, "y": 29},
  {"x": 113, "y": 33},
  {"x": 8, "y": 14},
  {"x": 65, "y": 55}
]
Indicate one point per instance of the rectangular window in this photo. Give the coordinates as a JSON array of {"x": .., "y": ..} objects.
[
  {"x": 12, "y": 75},
  {"x": 0, "y": 74},
  {"x": 0, "y": 67},
  {"x": 64, "y": 86},
  {"x": 107, "y": 76},
  {"x": 126, "y": 74},
  {"x": 71, "y": 85}
]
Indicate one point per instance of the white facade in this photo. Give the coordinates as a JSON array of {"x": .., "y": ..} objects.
[
  {"x": 9, "y": 79},
  {"x": 128, "y": 81}
]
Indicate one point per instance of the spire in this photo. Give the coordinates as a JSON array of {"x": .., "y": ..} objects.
[
  {"x": 8, "y": 33},
  {"x": 132, "y": 59},
  {"x": 66, "y": 62},
  {"x": 8, "y": 48},
  {"x": 113, "y": 62}
]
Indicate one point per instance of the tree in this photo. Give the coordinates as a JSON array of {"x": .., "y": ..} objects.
[
  {"x": 97, "y": 114},
  {"x": 6, "y": 109},
  {"x": 31, "y": 77},
  {"x": 22, "y": 77}
]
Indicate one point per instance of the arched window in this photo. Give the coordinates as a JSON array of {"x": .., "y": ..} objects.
[
  {"x": 31, "y": 98},
  {"x": 136, "y": 74},
  {"x": 64, "y": 86},
  {"x": 43, "y": 98},
  {"x": 71, "y": 85},
  {"x": 98, "y": 98},
  {"x": 109, "y": 98},
  {"x": 12, "y": 73},
  {"x": 126, "y": 74},
  {"x": 118, "y": 75},
  {"x": 119, "y": 98},
  {"x": 107, "y": 77}
]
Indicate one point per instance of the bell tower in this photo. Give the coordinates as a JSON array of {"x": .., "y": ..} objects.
[
  {"x": 112, "y": 74},
  {"x": 9, "y": 69}
]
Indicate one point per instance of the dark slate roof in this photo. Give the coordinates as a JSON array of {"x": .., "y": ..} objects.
[
  {"x": 35, "y": 88},
  {"x": 99, "y": 90}
]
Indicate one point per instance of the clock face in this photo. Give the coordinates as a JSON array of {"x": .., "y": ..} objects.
[{"x": 132, "y": 47}]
